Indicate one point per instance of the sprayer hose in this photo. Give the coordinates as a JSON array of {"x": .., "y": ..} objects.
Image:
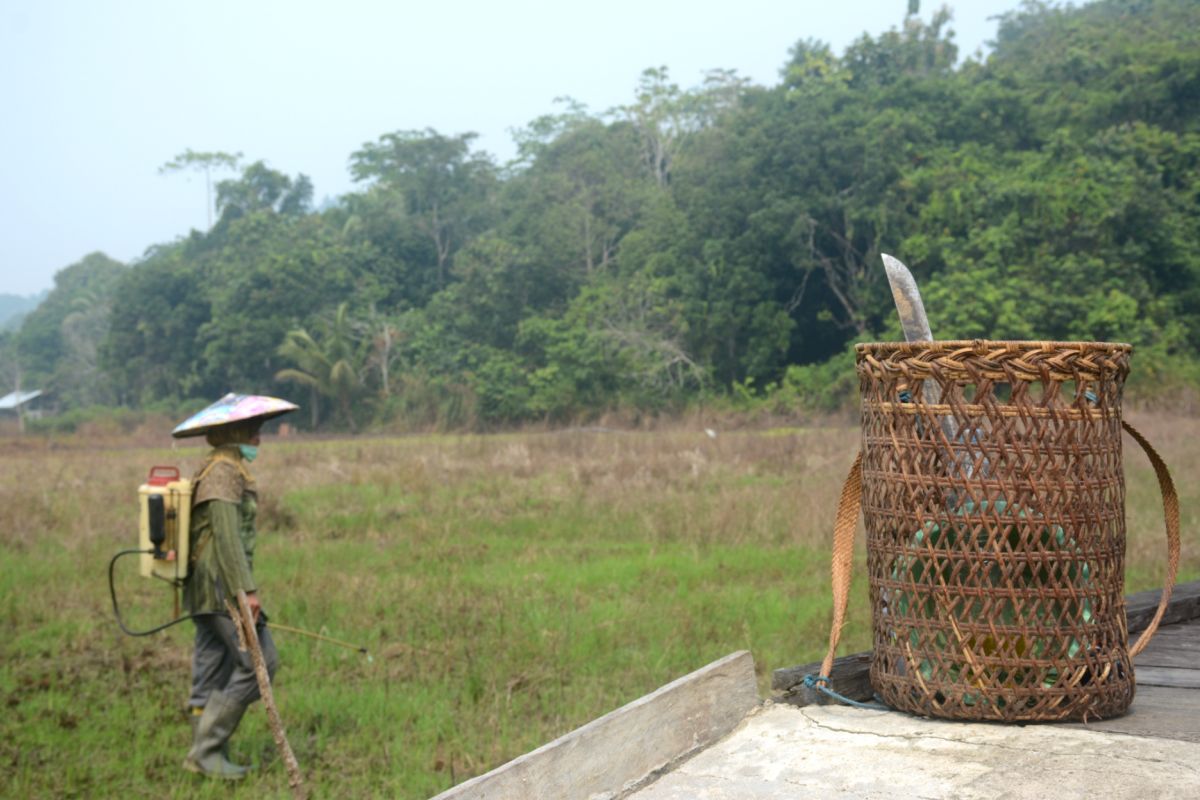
[{"x": 112, "y": 589}]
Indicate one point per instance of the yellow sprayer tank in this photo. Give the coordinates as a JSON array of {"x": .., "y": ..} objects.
[{"x": 163, "y": 527}]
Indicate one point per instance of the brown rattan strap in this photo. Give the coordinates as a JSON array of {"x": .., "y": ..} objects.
[
  {"x": 847, "y": 522},
  {"x": 1171, "y": 515},
  {"x": 843, "y": 556}
]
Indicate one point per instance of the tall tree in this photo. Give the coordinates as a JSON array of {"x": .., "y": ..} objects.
[
  {"x": 378, "y": 220},
  {"x": 153, "y": 350},
  {"x": 208, "y": 163},
  {"x": 571, "y": 207},
  {"x": 266, "y": 274},
  {"x": 261, "y": 188},
  {"x": 446, "y": 187},
  {"x": 664, "y": 115}
]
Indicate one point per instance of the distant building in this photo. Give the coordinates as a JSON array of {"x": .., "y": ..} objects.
[
  {"x": 13, "y": 401},
  {"x": 22, "y": 405}
]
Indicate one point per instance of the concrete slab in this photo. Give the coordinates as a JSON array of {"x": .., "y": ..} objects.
[
  {"x": 841, "y": 752},
  {"x": 621, "y": 750}
]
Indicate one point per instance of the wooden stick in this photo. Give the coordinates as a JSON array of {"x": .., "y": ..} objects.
[{"x": 248, "y": 638}]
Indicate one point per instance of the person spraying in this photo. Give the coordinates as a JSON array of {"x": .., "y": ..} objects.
[{"x": 221, "y": 553}]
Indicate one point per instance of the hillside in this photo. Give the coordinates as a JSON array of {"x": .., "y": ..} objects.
[{"x": 717, "y": 244}]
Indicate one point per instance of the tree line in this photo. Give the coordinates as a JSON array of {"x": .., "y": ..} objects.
[{"x": 712, "y": 244}]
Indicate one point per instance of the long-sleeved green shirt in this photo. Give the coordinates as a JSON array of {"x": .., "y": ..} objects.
[{"x": 222, "y": 541}]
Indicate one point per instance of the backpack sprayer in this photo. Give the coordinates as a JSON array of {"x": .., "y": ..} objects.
[
  {"x": 164, "y": 524},
  {"x": 164, "y": 533}
]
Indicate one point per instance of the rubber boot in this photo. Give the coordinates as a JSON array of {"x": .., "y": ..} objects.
[
  {"x": 193, "y": 714},
  {"x": 218, "y": 722}
]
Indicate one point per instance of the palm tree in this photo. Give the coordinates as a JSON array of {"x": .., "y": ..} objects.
[{"x": 330, "y": 366}]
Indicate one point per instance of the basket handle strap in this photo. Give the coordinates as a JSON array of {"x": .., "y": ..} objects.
[
  {"x": 843, "y": 556},
  {"x": 1171, "y": 515}
]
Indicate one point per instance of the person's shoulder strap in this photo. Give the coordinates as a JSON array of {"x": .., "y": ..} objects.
[{"x": 223, "y": 477}]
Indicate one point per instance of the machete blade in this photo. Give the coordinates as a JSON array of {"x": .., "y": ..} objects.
[
  {"x": 908, "y": 301},
  {"x": 916, "y": 329}
]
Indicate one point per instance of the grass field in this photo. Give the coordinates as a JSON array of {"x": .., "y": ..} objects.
[{"x": 509, "y": 588}]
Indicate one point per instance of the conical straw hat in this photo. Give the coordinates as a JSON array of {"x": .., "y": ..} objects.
[{"x": 232, "y": 408}]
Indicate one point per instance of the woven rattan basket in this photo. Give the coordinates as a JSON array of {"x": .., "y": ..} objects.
[{"x": 994, "y": 501}]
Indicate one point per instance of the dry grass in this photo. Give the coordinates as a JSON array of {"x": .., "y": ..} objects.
[{"x": 769, "y": 487}]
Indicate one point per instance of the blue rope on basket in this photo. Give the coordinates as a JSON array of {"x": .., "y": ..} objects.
[{"x": 821, "y": 684}]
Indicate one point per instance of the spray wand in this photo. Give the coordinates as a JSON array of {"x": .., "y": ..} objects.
[{"x": 275, "y": 626}]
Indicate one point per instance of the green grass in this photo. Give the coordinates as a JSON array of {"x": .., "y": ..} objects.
[{"x": 508, "y": 588}]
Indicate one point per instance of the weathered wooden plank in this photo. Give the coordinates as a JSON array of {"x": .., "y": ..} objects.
[
  {"x": 849, "y": 677},
  {"x": 629, "y": 745},
  {"x": 1184, "y": 605},
  {"x": 1157, "y": 712},
  {"x": 1170, "y": 657},
  {"x": 1179, "y": 630},
  {"x": 1173, "y": 646},
  {"x": 851, "y": 673},
  {"x": 1182, "y": 652},
  {"x": 1167, "y": 676}
]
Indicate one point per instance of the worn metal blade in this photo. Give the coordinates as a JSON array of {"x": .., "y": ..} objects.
[
  {"x": 908, "y": 301},
  {"x": 912, "y": 314},
  {"x": 916, "y": 329}
]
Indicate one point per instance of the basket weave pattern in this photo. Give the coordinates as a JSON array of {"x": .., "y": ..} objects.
[{"x": 994, "y": 501}]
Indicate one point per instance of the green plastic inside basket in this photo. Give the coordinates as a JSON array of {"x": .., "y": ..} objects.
[{"x": 950, "y": 538}]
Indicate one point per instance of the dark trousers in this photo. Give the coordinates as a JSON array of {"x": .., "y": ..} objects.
[{"x": 218, "y": 665}]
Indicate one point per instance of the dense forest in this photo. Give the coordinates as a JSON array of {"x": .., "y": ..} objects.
[{"x": 718, "y": 244}]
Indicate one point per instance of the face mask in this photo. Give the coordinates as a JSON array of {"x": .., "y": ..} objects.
[{"x": 249, "y": 451}]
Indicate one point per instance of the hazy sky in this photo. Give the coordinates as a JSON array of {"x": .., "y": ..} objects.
[{"x": 97, "y": 94}]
